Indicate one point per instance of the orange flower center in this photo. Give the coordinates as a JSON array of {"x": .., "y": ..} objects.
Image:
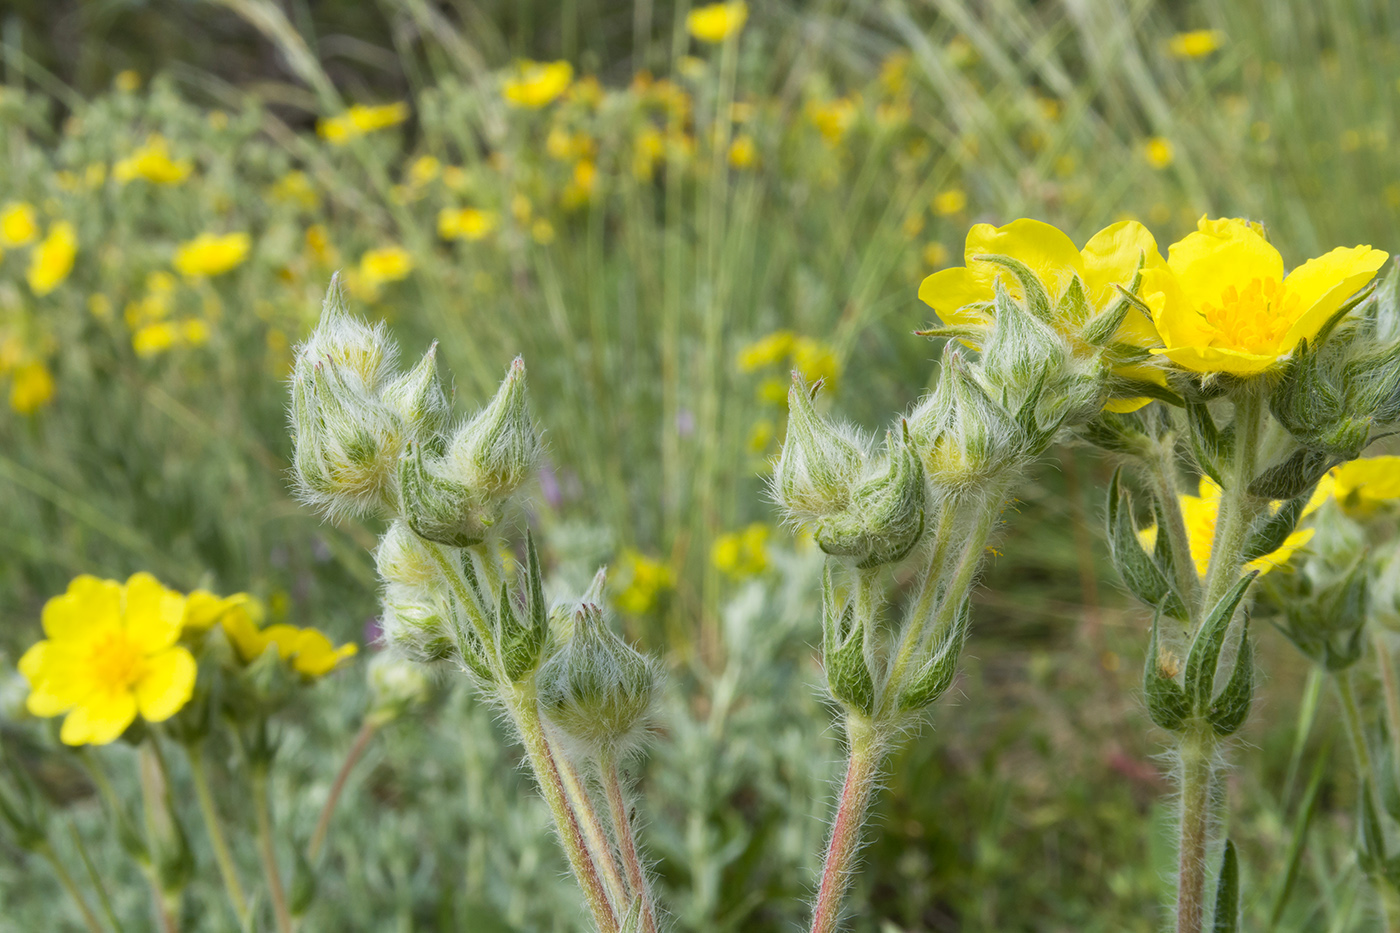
[
  {"x": 116, "y": 662},
  {"x": 1253, "y": 320}
]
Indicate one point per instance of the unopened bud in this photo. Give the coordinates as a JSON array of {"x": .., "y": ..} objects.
[
  {"x": 404, "y": 557},
  {"x": 418, "y": 399},
  {"x": 417, "y": 624},
  {"x": 396, "y": 685},
  {"x": 820, "y": 462},
  {"x": 437, "y": 508},
  {"x": 885, "y": 519},
  {"x": 498, "y": 450},
  {"x": 963, "y": 436},
  {"x": 597, "y": 688}
]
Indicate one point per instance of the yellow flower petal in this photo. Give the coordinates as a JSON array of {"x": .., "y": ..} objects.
[
  {"x": 1111, "y": 257},
  {"x": 90, "y": 606},
  {"x": 153, "y": 614},
  {"x": 1221, "y": 254},
  {"x": 949, "y": 290},
  {"x": 167, "y": 685},
  {"x": 316, "y": 656},
  {"x": 1123, "y": 406},
  {"x": 244, "y": 634},
  {"x": 1280, "y": 557},
  {"x": 101, "y": 719},
  {"x": 1216, "y": 360},
  {"x": 1049, "y": 253},
  {"x": 1323, "y": 284}
]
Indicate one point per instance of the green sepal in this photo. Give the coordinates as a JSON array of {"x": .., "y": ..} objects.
[
  {"x": 1230, "y": 709},
  {"x": 436, "y": 508},
  {"x": 1122, "y": 387},
  {"x": 1271, "y": 531},
  {"x": 1037, "y": 301},
  {"x": 1117, "y": 433},
  {"x": 535, "y": 605},
  {"x": 1294, "y": 476},
  {"x": 843, "y": 654},
  {"x": 520, "y": 644},
  {"x": 1205, "y": 649},
  {"x": 1140, "y": 574},
  {"x": 1074, "y": 309},
  {"x": 1212, "y": 447},
  {"x": 953, "y": 332},
  {"x": 632, "y": 920},
  {"x": 1166, "y": 701},
  {"x": 1227, "y": 892},
  {"x": 935, "y": 675},
  {"x": 1099, "y": 330}
]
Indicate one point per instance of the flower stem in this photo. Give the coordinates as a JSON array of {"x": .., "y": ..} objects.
[
  {"x": 352, "y": 757},
  {"x": 1386, "y": 662},
  {"x": 267, "y": 850},
  {"x": 867, "y": 754},
  {"x": 626, "y": 840},
  {"x": 522, "y": 705},
  {"x": 1238, "y": 508},
  {"x": 1366, "y": 769},
  {"x": 1197, "y": 754},
  {"x": 71, "y": 886},
  {"x": 102, "y": 899},
  {"x": 228, "y": 870},
  {"x": 595, "y": 836},
  {"x": 1163, "y": 470}
]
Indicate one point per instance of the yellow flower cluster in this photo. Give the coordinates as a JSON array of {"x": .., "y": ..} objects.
[
  {"x": 305, "y": 650},
  {"x": 1196, "y": 44},
  {"x": 52, "y": 258},
  {"x": 647, "y": 580},
  {"x": 31, "y": 387},
  {"x": 152, "y": 163},
  {"x": 742, "y": 554},
  {"x": 466, "y": 223},
  {"x": 153, "y": 330},
  {"x": 19, "y": 224},
  {"x": 361, "y": 120}
]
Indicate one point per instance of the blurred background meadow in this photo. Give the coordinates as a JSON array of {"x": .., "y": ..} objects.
[{"x": 663, "y": 227}]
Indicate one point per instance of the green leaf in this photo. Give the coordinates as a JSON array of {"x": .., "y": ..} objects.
[
  {"x": 1227, "y": 892},
  {"x": 936, "y": 674},
  {"x": 1139, "y": 572},
  {"x": 1270, "y": 531},
  {"x": 1294, "y": 476},
  {"x": 1231, "y": 708},
  {"x": 1166, "y": 701},
  {"x": 1212, "y": 449},
  {"x": 1205, "y": 650}
]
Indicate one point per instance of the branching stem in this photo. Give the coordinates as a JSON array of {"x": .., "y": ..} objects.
[
  {"x": 867, "y": 755},
  {"x": 626, "y": 840},
  {"x": 352, "y": 757}
]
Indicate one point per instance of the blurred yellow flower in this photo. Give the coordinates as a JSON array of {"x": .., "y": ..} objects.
[
  {"x": 152, "y": 162},
  {"x": 833, "y": 118},
  {"x": 295, "y": 188},
  {"x": 52, "y": 259},
  {"x": 542, "y": 232},
  {"x": 743, "y": 152},
  {"x": 386, "y": 264},
  {"x": 19, "y": 224},
  {"x": 580, "y": 188},
  {"x": 1361, "y": 486},
  {"x": 361, "y": 120},
  {"x": 936, "y": 255},
  {"x": 467, "y": 223},
  {"x": 318, "y": 244},
  {"x": 767, "y": 351},
  {"x": 815, "y": 360},
  {"x": 1222, "y": 303},
  {"x": 647, "y": 579},
  {"x": 647, "y": 150},
  {"x": 949, "y": 202},
  {"x": 111, "y": 654},
  {"x": 894, "y": 73},
  {"x": 717, "y": 21},
  {"x": 424, "y": 170},
  {"x": 537, "y": 84},
  {"x": 1160, "y": 152},
  {"x": 565, "y": 146},
  {"x": 211, "y": 254},
  {"x": 31, "y": 387},
  {"x": 742, "y": 554},
  {"x": 1197, "y": 43},
  {"x": 95, "y": 174},
  {"x": 306, "y": 650},
  {"x": 127, "y": 81},
  {"x": 760, "y": 436}
]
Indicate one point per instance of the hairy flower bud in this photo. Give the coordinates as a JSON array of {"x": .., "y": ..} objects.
[
  {"x": 963, "y": 436},
  {"x": 437, "y": 508},
  {"x": 597, "y": 688},
  {"x": 820, "y": 463},
  {"x": 498, "y": 450},
  {"x": 396, "y": 685},
  {"x": 417, "y": 397},
  {"x": 417, "y": 624},
  {"x": 347, "y": 441},
  {"x": 403, "y": 557},
  {"x": 885, "y": 518}
]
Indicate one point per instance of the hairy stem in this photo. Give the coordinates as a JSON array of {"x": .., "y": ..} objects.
[
  {"x": 1197, "y": 754},
  {"x": 867, "y": 754},
  {"x": 595, "y": 836},
  {"x": 71, "y": 886},
  {"x": 161, "y": 830},
  {"x": 1385, "y": 661},
  {"x": 1238, "y": 508},
  {"x": 1366, "y": 769},
  {"x": 521, "y": 703},
  {"x": 228, "y": 870},
  {"x": 267, "y": 850},
  {"x": 626, "y": 840},
  {"x": 352, "y": 757},
  {"x": 1163, "y": 469},
  {"x": 102, "y": 899}
]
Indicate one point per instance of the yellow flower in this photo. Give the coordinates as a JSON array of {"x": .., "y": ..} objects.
[
  {"x": 19, "y": 224},
  {"x": 318, "y": 244},
  {"x": 295, "y": 188},
  {"x": 833, "y": 118},
  {"x": 423, "y": 170},
  {"x": 717, "y": 21},
  {"x": 153, "y": 163},
  {"x": 1160, "y": 152},
  {"x": 31, "y": 387},
  {"x": 542, "y": 232},
  {"x": 307, "y": 651},
  {"x": 467, "y": 223},
  {"x": 743, "y": 152},
  {"x": 1199, "y": 513},
  {"x": 816, "y": 360},
  {"x": 127, "y": 81},
  {"x": 111, "y": 654},
  {"x": 742, "y": 554},
  {"x": 1223, "y": 304},
  {"x": 212, "y": 254},
  {"x": 936, "y": 255},
  {"x": 579, "y": 190},
  {"x": 151, "y": 339},
  {"x": 647, "y": 150},
  {"x": 386, "y": 264},
  {"x": 950, "y": 202},
  {"x": 361, "y": 120},
  {"x": 768, "y": 351},
  {"x": 52, "y": 259},
  {"x": 536, "y": 84},
  {"x": 1361, "y": 486},
  {"x": 647, "y": 578},
  {"x": 1197, "y": 43}
]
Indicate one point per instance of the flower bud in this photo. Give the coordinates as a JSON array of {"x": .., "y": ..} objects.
[
  {"x": 347, "y": 441},
  {"x": 437, "y": 508},
  {"x": 396, "y": 685},
  {"x": 820, "y": 463},
  {"x": 885, "y": 519},
  {"x": 1021, "y": 353},
  {"x": 597, "y": 688},
  {"x": 499, "y": 449},
  {"x": 964, "y": 438},
  {"x": 418, "y": 399}
]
